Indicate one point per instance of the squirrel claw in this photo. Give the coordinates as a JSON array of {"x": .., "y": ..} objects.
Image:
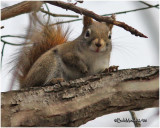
[
  {"x": 111, "y": 69},
  {"x": 84, "y": 72},
  {"x": 56, "y": 80}
]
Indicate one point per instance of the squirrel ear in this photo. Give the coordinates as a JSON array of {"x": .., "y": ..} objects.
[
  {"x": 87, "y": 21},
  {"x": 111, "y": 25}
]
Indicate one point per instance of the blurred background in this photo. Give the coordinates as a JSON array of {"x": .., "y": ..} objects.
[{"x": 128, "y": 51}]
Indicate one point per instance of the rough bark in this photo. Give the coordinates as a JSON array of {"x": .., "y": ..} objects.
[{"x": 76, "y": 102}]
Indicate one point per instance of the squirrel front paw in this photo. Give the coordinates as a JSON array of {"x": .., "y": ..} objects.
[
  {"x": 84, "y": 71},
  {"x": 55, "y": 81},
  {"x": 111, "y": 69}
]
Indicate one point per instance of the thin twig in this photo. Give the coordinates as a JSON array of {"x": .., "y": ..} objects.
[
  {"x": 12, "y": 36},
  {"x": 149, "y": 5},
  {"x": 68, "y": 21},
  {"x": 58, "y": 15},
  {"x": 5, "y": 42},
  {"x": 135, "y": 120},
  {"x": 2, "y": 53},
  {"x": 78, "y": 1},
  {"x": 37, "y": 19},
  {"x": 49, "y": 12},
  {"x": 122, "y": 12}
]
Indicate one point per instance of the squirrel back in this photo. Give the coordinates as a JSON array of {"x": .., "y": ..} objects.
[{"x": 42, "y": 39}]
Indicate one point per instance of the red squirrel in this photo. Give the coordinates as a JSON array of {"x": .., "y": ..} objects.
[{"x": 52, "y": 58}]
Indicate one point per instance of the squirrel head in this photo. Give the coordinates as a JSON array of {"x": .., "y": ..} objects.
[{"x": 97, "y": 35}]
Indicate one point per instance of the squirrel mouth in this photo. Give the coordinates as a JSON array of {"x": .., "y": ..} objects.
[{"x": 97, "y": 50}]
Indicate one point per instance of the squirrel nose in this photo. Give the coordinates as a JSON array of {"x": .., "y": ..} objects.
[{"x": 98, "y": 44}]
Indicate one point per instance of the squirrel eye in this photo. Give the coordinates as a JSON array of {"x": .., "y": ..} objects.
[
  {"x": 87, "y": 34},
  {"x": 109, "y": 35}
]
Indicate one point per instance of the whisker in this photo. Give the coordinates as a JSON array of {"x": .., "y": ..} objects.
[
  {"x": 126, "y": 55},
  {"x": 126, "y": 50},
  {"x": 123, "y": 53},
  {"x": 120, "y": 37},
  {"x": 124, "y": 43}
]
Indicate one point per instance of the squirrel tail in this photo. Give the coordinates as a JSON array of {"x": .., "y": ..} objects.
[{"x": 40, "y": 40}]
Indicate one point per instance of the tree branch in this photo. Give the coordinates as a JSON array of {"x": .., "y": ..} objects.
[
  {"x": 28, "y": 6},
  {"x": 96, "y": 16},
  {"x": 109, "y": 14},
  {"x": 58, "y": 15},
  {"x": 20, "y": 8},
  {"x": 76, "y": 102}
]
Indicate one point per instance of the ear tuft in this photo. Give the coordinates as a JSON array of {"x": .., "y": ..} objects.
[
  {"x": 87, "y": 21},
  {"x": 113, "y": 16},
  {"x": 111, "y": 25}
]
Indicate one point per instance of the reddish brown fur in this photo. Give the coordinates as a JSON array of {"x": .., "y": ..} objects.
[
  {"x": 87, "y": 21},
  {"x": 43, "y": 40}
]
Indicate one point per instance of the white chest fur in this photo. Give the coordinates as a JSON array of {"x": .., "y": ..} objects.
[{"x": 96, "y": 62}]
